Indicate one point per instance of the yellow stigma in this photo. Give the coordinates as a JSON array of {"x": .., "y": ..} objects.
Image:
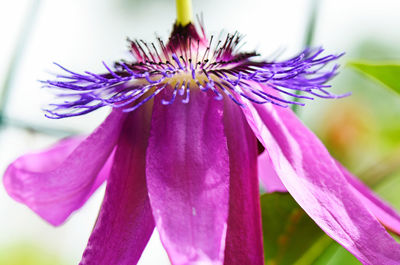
[{"x": 183, "y": 12}]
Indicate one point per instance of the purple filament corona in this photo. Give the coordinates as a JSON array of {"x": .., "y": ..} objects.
[{"x": 188, "y": 63}]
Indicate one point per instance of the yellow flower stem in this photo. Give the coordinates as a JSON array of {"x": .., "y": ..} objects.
[{"x": 183, "y": 12}]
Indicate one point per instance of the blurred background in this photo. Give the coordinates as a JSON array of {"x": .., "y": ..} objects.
[{"x": 361, "y": 131}]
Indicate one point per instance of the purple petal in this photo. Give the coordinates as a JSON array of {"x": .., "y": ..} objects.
[
  {"x": 188, "y": 178},
  {"x": 58, "y": 181},
  {"x": 244, "y": 235},
  {"x": 382, "y": 211},
  {"x": 125, "y": 222},
  {"x": 267, "y": 175},
  {"x": 311, "y": 176}
]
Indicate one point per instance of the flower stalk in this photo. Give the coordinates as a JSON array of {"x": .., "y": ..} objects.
[{"x": 183, "y": 12}]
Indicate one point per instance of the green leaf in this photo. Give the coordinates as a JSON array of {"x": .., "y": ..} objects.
[
  {"x": 292, "y": 237},
  {"x": 386, "y": 73}
]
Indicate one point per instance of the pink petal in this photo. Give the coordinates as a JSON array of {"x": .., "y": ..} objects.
[
  {"x": 125, "y": 222},
  {"x": 56, "y": 182},
  {"x": 311, "y": 176},
  {"x": 244, "y": 235},
  {"x": 382, "y": 211},
  {"x": 188, "y": 178},
  {"x": 267, "y": 175}
]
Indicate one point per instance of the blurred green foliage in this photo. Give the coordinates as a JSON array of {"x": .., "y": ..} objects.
[
  {"x": 291, "y": 237},
  {"x": 361, "y": 131},
  {"x": 27, "y": 254}
]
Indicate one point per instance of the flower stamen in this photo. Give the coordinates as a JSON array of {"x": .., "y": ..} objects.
[{"x": 189, "y": 62}]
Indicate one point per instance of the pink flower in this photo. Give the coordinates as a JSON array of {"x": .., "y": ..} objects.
[{"x": 179, "y": 152}]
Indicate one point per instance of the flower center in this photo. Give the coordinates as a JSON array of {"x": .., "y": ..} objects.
[
  {"x": 188, "y": 62},
  {"x": 186, "y": 65}
]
